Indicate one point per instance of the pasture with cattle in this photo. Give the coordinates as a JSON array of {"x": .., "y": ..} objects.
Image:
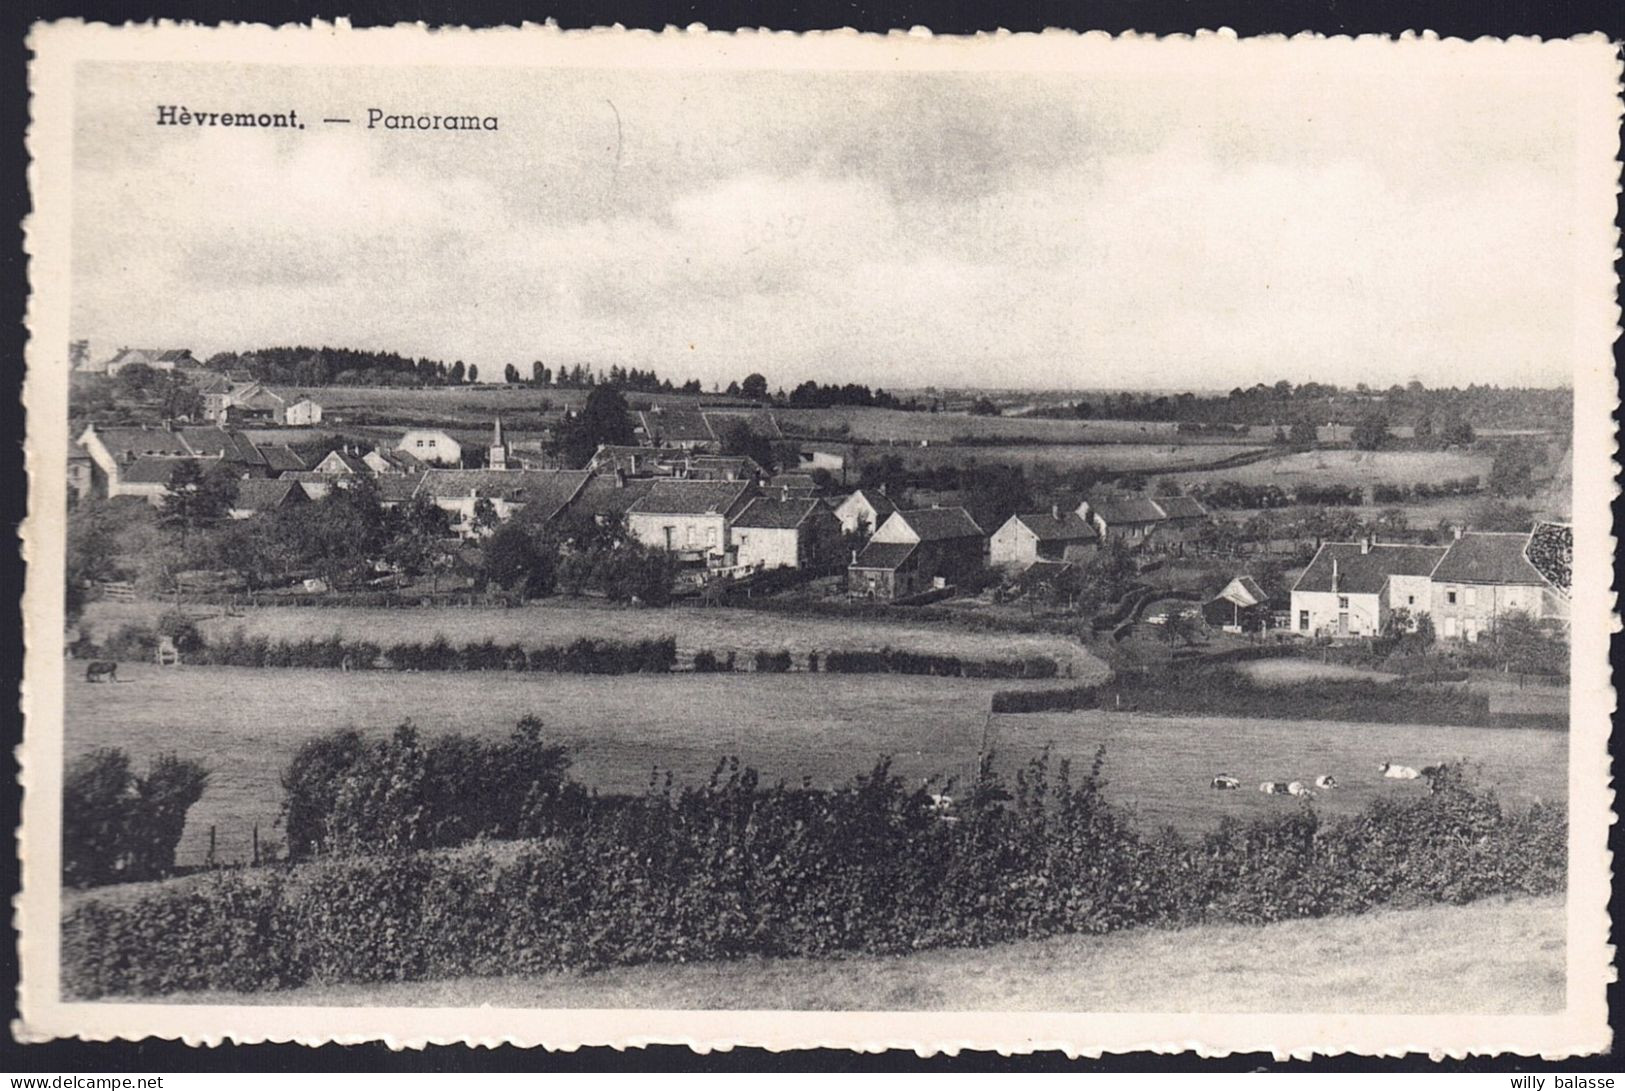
[{"x": 1111, "y": 665}]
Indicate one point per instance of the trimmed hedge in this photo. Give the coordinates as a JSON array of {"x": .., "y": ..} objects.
[
  {"x": 731, "y": 870},
  {"x": 1046, "y": 700}
]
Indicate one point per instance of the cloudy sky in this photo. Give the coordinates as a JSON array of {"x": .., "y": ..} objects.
[{"x": 1173, "y": 230}]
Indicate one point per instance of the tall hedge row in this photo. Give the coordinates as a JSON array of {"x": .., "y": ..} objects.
[{"x": 733, "y": 870}]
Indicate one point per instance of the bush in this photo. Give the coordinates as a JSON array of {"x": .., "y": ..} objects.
[
  {"x": 117, "y": 826},
  {"x": 732, "y": 869},
  {"x": 1046, "y": 700},
  {"x": 772, "y": 662}
]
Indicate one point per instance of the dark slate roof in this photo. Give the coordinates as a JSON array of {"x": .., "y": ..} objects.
[
  {"x": 150, "y": 471},
  {"x": 691, "y": 497},
  {"x": 1041, "y": 572},
  {"x": 760, "y": 421},
  {"x": 398, "y": 461},
  {"x": 124, "y": 442},
  {"x": 1366, "y": 573},
  {"x": 940, "y": 524},
  {"x": 223, "y": 443},
  {"x": 1486, "y": 557},
  {"x": 548, "y": 490},
  {"x": 282, "y": 457},
  {"x": 775, "y": 514},
  {"x": 398, "y": 488},
  {"x": 1126, "y": 509},
  {"x": 1070, "y": 527},
  {"x": 677, "y": 426},
  {"x": 888, "y": 555},
  {"x": 1181, "y": 507},
  {"x": 262, "y": 494},
  {"x": 602, "y": 496}
]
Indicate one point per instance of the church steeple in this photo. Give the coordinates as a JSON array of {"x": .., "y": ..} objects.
[{"x": 498, "y": 459}]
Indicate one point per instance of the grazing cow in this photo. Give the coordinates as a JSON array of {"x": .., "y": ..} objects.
[
  {"x": 1224, "y": 782},
  {"x": 1299, "y": 788},
  {"x": 1326, "y": 781},
  {"x": 1434, "y": 772},
  {"x": 1274, "y": 787},
  {"x": 101, "y": 670},
  {"x": 1398, "y": 772}
]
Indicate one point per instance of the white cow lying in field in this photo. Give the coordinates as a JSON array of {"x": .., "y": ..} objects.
[
  {"x": 1275, "y": 787},
  {"x": 1298, "y": 788},
  {"x": 1326, "y": 781},
  {"x": 1224, "y": 782},
  {"x": 1398, "y": 772}
]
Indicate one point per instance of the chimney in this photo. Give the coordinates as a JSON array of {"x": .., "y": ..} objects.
[
  {"x": 1055, "y": 512},
  {"x": 620, "y": 478},
  {"x": 1365, "y": 545},
  {"x": 1456, "y": 531},
  {"x": 1334, "y": 575},
  {"x": 854, "y": 556}
]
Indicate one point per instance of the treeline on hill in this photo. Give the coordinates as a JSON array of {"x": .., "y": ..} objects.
[
  {"x": 734, "y": 869},
  {"x": 303, "y": 365},
  {"x": 1445, "y": 415},
  {"x": 811, "y": 395}
]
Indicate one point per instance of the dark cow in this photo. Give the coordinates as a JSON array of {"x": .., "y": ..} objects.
[
  {"x": 99, "y": 669},
  {"x": 1224, "y": 782}
]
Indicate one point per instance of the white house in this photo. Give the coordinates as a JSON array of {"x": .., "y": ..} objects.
[
  {"x": 1042, "y": 536},
  {"x": 689, "y": 517},
  {"x": 867, "y": 508},
  {"x": 1351, "y": 588},
  {"x": 1484, "y": 576},
  {"x": 785, "y": 533},
  {"x": 459, "y": 492},
  {"x": 302, "y": 413},
  {"x": 431, "y": 445}
]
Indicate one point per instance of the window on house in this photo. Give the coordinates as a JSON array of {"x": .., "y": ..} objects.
[
  {"x": 1410, "y": 600},
  {"x": 1342, "y": 602},
  {"x": 1450, "y": 597},
  {"x": 420, "y": 443},
  {"x": 1303, "y": 620},
  {"x": 710, "y": 536},
  {"x": 1472, "y": 596}
]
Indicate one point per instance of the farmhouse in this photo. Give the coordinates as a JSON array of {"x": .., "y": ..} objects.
[
  {"x": 1134, "y": 519},
  {"x": 431, "y": 445},
  {"x": 864, "y": 510},
  {"x": 397, "y": 489},
  {"x": 1351, "y": 588},
  {"x": 786, "y": 533},
  {"x": 685, "y": 429},
  {"x": 689, "y": 518},
  {"x": 459, "y": 491},
  {"x": 1483, "y": 576},
  {"x": 808, "y": 461},
  {"x": 312, "y": 484},
  {"x": 914, "y": 551},
  {"x": 225, "y": 401},
  {"x": 606, "y": 497},
  {"x": 389, "y": 462},
  {"x": 340, "y": 462},
  {"x": 723, "y": 468},
  {"x": 1242, "y": 606},
  {"x": 117, "y": 452},
  {"x": 637, "y": 461},
  {"x": 157, "y": 359},
  {"x": 1041, "y": 536},
  {"x": 257, "y": 495},
  {"x": 280, "y": 457}
]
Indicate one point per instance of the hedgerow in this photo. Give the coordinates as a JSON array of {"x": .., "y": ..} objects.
[{"x": 733, "y": 869}]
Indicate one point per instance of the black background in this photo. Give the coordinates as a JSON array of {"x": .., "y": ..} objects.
[{"x": 1246, "y": 17}]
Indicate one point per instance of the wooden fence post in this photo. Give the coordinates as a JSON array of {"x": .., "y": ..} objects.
[{"x": 256, "y": 844}]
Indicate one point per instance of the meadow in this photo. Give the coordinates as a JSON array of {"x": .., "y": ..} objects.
[
  {"x": 1150, "y": 458},
  {"x": 1419, "y": 961},
  {"x": 245, "y": 724},
  {"x": 558, "y": 623},
  {"x": 1356, "y": 468},
  {"x": 887, "y": 425}
]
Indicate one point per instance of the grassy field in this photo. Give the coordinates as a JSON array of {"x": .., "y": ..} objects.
[
  {"x": 1493, "y": 957},
  {"x": 1356, "y": 468},
  {"x": 885, "y": 425},
  {"x": 1292, "y": 672},
  {"x": 695, "y": 628},
  {"x": 1149, "y": 457},
  {"x": 245, "y": 724}
]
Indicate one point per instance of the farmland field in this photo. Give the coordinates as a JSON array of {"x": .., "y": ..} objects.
[
  {"x": 1146, "y": 457},
  {"x": 245, "y": 724},
  {"x": 886, "y": 425},
  {"x": 1292, "y": 672},
  {"x": 1356, "y": 468},
  {"x": 1494, "y": 956},
  {"x": 743, "y": 631}
]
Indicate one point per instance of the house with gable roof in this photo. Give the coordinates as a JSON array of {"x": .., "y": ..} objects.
[
  {"x": 1052, "y": 535},
  {"x": 689, "y": 518},
  {"x": 786, "y": 533},
  {"x": 1483, "y": 576},
  {"x": 915, "y": 551},
  {"x": 865, "y": 509},
  {"x": 1351, "y": 588}
]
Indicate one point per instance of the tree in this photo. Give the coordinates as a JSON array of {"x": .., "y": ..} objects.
[
  {"x": 417, "y": 539},
  {"x": 197, "y": 498},
  {"x": 1304, "y": 433},
  {"x": 118, "y": 826},
  {"x": 510, "y": 373},
  {"x": 178, "y": 399},
  {"x": 739, "y": 438},
  {"x": 78, "y": 354},
  {"x": 457, "y": 372},
  {"x": 1458, "y": 432},
  {"x": 754, "y": 387},
  {"x": 1424, "y": 430},
  {"x": 473, "y": 373},
  {"x": 342, "y": 534},
  {"x": 1500, "y": 515},
  {"x": 484, "y": 520},
  {"x": 603, "y": 420},
  {"x": 1512, "y": 473},
  {"x": 984, "y": 407},
  {"x": 1371, "y": 431},
  {"x": 511, "y": 558}
]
